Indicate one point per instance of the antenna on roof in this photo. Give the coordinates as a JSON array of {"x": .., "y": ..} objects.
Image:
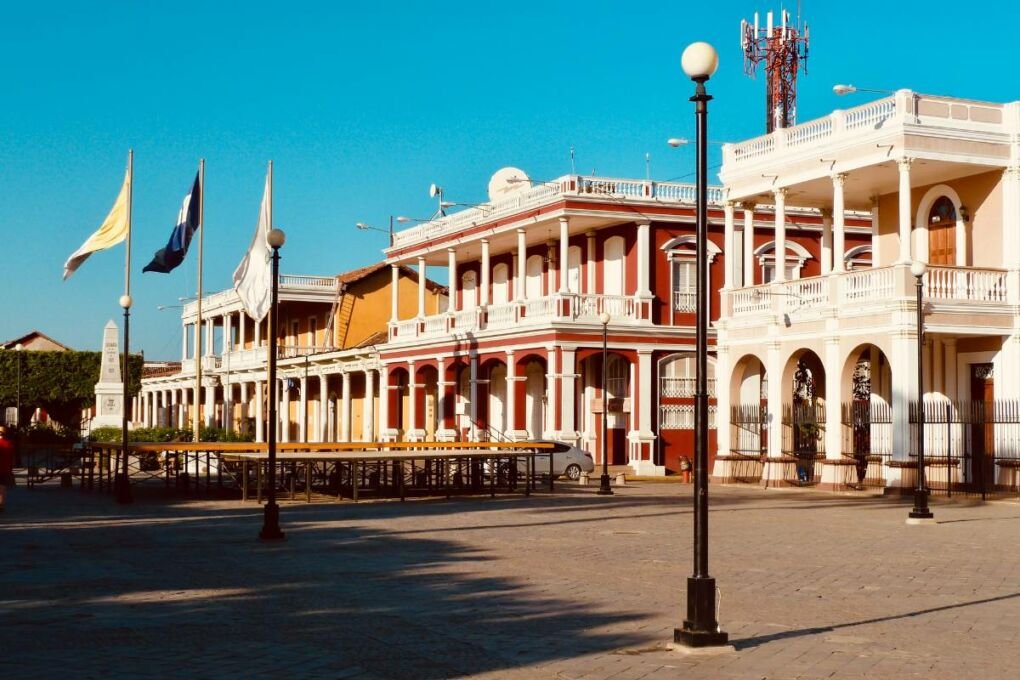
[
  {"x": 573, "y": 168},
  {"x": 782, "y": 48}
]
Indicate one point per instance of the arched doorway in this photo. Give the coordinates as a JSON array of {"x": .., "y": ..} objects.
[
  {"x": 942, "y": 232},
  {"x": 866, "y": 414},
  {"x": 803, "y": 416},
  {"x": 534, "y": 398}
]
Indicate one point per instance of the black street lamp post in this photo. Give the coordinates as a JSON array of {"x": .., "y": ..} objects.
[
  {"x": 17, "y": 409},
  {"x": 271, "y": 513},
  {"x": 604, "y": 488},
  {"x": 700, "y": 628},
  {"x": 920, "y": 512},
  {"x": 124, "y": 488}
]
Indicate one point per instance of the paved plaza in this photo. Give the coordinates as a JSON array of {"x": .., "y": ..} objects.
[{"x": 568, "y": 586}]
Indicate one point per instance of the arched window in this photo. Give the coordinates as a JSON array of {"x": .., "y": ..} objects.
[
  {"x": 796, "y": 256},
  {"x": 679, "y": 374},
  {"x": 942, "y": 232},
  {"x": 574, "y": 269},
  {"x": 533, "y": 282},
  {"x": 612, "y": 266},
  {"x": 683, "y": 271},
  {"x": 499, "y": 284},
  {"x": 469, "y": 291}
]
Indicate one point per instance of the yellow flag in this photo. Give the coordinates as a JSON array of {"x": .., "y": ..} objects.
[{"x": 113, "y": 230}]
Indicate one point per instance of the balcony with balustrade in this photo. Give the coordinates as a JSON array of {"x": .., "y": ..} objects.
[
  {"x": 978, "y": 301},
  {"x": 530, "y": 313}
]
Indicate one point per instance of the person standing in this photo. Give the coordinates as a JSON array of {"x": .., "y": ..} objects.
[{"x": 6, "y": 465}]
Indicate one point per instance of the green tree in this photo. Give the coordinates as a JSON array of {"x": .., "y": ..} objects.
[{"x": 62, "y": 383}]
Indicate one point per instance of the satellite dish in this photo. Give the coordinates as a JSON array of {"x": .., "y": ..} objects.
[
  {"x": 508, "y": 181},
  {"x": 434, "y": 190}
]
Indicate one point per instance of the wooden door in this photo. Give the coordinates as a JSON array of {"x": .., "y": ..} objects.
[
  {"x": 982, "y": 436},
  {"x": 942, "y": 233}
]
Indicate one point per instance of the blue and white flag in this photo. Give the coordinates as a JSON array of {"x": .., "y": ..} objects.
[{"x": 166, "y": 259}]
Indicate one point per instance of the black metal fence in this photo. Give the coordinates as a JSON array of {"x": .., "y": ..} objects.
[
  {"x": 970, "y": 447},
  {"x": 866, "y": 440}
]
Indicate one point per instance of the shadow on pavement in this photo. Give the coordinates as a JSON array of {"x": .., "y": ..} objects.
[
  {"x": 190, "y": 591},
  {"x": 748, "y": 643}
]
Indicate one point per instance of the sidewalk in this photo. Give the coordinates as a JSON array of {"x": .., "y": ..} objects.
[{"x": 567, "y": 586}]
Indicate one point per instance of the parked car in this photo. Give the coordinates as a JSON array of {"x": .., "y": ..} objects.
[{"x": 568, "y": 461}]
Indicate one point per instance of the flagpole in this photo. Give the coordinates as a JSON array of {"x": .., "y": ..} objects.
[
  {"x": 198, "y": 323},
  {"x": 124, "y": 489}
]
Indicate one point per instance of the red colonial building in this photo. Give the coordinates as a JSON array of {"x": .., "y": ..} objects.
[{"x": 517, "y": 353}]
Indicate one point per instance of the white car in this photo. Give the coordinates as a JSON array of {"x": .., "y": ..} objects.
[{"x": 568, "y": 461}]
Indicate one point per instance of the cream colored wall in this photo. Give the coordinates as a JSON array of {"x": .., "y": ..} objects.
[
  {"x": 981, "y": 194},
  {"x": 372, "y": 305}
]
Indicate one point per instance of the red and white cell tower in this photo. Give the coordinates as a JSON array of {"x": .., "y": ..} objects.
[{"x": 782, "y": 48}]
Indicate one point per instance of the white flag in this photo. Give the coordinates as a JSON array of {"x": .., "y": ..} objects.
[{"x": 253, "y": 277}]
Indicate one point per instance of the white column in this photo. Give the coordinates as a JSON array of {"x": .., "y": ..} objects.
[
  {"x": 729, "y": 254},
  {"x": 780, "y": 198},
  {"x": 394, "y": 286},
  {"x": 904, "y": 389},
  {"x": 209, "y": 407},
  {"x": 345, "y": 407},
  {"x": 303, "y": 411},
  {"x": 451, "y": 268},
  {"x": 258, "y": 333},
  {"x": 775, "y": 411},
  {"x": 511, "y": 393},
  {"x": 551, "y": 380},
  {"x": 833, "y": 397},
  {"x": 473, "y": 399},
  {"x": 323, "y": 419},
  {"x": 826, "y": 240},
  {"x": 522, "y": 265},
  {"x": 748, "y": 244},
  {"x": 245, "y": 412},
  {"x": 368, "y": 408},
  {"x": 568, "y": 393},
  {"x": 486, "y": 274},
  {"x": 384, "y": 401},
  {"x": 590, "y": 257},
  {"x": 412, "y": 399},
  {"x": 184, "y": 342},
  {"x": 322, "y": 413},
  {"x": 876, "y": 259},
  {"x": 260, "y": 421},
  {"x": 210, "y": 328},
  {"x": 284, "y": 410},
  {"x": 643, "y": 227},
  {"x": 906, "y": 221},
  {"x": 241, "y": 324},
  {"x": 647, "y": 389},
  {"x": 839, "y": 222},
  {"x": 228, "y": 326},
  {"x": 422, "y": 273},
  {"x": 722, "y": 400},
  {"x": 564, "y": 253}
]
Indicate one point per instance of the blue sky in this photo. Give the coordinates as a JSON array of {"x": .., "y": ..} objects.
[{"x": 362, "y": 105}]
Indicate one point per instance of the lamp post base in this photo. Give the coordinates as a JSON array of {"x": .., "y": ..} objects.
[
  {"x": 271, "y": 523},
  {"x": 700, "y": 629},
  {"x": 122, "y": 485},
  {"x": 604, "y": 488},
  {"x": 920, "y": 510}
]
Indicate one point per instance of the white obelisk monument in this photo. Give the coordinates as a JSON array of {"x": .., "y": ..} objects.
[{"x": 110, "y": 388}]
